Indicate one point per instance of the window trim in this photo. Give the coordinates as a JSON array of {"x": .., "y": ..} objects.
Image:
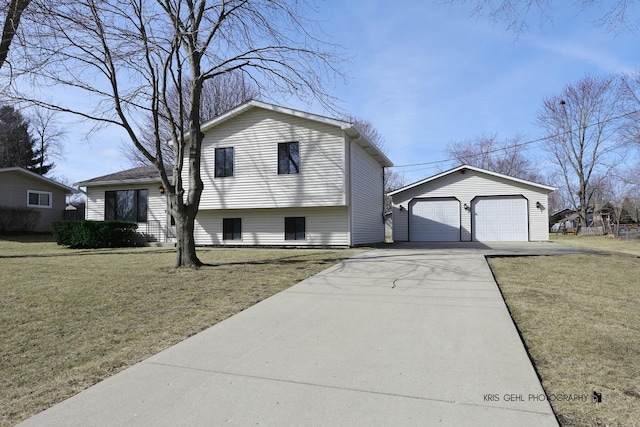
[
  {"x": 296, "y": 234},
  {"x": 225, "y": 231},
  {"x": 223, "y": 173},
  {"x": 285, "y": 168},
  {"x": 38, "y": 192}
]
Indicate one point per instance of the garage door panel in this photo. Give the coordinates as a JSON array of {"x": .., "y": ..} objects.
[
  {"x": 434, "y": 220},
  {"x": 500, "y": 219}
]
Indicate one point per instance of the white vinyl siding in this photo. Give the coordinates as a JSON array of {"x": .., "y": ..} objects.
[
  {"x": 367, "y": 201},
  {"x": 324, "y": 226},
  {"x": 255, "y": 136},
  {"x": 400, "y": 223},
  {"x": 500, "y": 219},
  {"x": 434, "y": 220},
  {"x": 466, "y": 187},
  {"x": 156, "y": 207}
]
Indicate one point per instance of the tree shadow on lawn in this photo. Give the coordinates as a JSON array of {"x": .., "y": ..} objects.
[
  {"x": 283, "y": 260},
  {"x": 84, "y": 252},
  {"x": 278, "y": 261}
]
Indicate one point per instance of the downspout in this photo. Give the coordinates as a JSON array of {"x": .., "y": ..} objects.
[{"x": 350, "y": 164}]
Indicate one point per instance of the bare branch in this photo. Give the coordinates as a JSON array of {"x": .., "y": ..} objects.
[{"x": 582, "y": 124}]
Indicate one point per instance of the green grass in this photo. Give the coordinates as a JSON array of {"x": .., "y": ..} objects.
[
  {"x": 579, "y": 317},
  {"x": 71, "y": 318}
]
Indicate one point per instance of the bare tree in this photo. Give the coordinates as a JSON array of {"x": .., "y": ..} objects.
[
  {"x": 226, "y": 92},
  {"x": 489, "y": 152},
  {"x": 560, "y": 198},
  {"x": 581, "y": 123},
  {"x": 12, "y": 11},
  {"x": 615, "y": 194},
  {"x": 49, "y": 136},
  {"x": 614, "y": 16},
  {"x": 369, "y": 130},
  {"x": 219, "y": 95},
  {"x": 622, "y": 192},
  {"x": 130, "y": 55},
  {"x": 630, "y": 129}
]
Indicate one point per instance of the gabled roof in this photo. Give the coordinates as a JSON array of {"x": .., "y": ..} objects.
[
  {"x": 40, "y": 177},
  {"x": 349, "y": 128},
  {"x": 564, "y": 211},
  {"x": 142, "y": 174},
  {"x": 475, "y": 169}
]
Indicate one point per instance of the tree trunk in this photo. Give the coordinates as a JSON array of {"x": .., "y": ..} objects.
[
  {"x": 186, "y": 244},
  {"x": 583, "y": 217}
]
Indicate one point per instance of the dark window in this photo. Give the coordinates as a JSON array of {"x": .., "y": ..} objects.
[
  {"x": 38, "y": 199},
  {"x": 288, "y": 157},
  {"x": 126, "y": 205},
  {"x": 231, "y": 229},
  {"x": 294, "y": 228},
  {"x": 224, "y": 162}
]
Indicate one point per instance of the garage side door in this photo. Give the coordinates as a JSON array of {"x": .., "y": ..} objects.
[
  {"x": 434, "y": 220},
  {"x": 500, "y": 219}
]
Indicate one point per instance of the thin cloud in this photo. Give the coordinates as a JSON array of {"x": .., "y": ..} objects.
[{"x": 581, "y": 52}]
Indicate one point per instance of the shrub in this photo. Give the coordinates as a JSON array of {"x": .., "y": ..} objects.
[
  {"x": 18, "y": 220},
  {"x": 94, "y": 234}
]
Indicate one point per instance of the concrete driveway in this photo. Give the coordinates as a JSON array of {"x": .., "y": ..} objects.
[{"x": 413, "y": 335}]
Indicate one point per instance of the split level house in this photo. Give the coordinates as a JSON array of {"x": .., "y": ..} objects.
[{"x": 272, "y": 176}]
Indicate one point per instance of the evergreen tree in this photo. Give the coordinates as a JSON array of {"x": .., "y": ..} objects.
[{"x": 17, "y": 145}]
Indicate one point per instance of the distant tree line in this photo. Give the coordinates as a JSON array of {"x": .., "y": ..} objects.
[{"x": 18, "y": 146}]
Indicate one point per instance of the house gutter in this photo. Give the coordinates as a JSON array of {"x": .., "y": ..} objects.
[{"x": 118, "y": 182}]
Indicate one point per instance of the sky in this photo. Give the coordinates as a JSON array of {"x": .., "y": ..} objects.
[{"x": 426, "y": 75}]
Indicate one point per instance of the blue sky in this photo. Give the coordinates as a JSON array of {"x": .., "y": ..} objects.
[{"x": 426, "y": 75}]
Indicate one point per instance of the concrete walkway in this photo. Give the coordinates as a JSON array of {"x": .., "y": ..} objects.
[{"x": 412, "y": 336}]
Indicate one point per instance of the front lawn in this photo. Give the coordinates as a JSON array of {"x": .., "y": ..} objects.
[
  {"x": 600, "y": 243},
  {"x": 579, "y": 318},
  {"x": 71, "y": 318}
]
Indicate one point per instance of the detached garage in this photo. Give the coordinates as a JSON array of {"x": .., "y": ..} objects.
[{"x": 471, "y": 204}]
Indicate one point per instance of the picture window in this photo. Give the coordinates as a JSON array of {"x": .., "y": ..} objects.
[{"x": 126, "y": 205}]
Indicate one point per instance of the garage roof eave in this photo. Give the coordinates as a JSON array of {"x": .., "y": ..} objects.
[{"x": 547, "y": 188}]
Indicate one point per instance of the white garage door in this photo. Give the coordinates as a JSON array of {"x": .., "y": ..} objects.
[
  {"x": 434, "y": 220},
  {"x": 500, "y": 219}
]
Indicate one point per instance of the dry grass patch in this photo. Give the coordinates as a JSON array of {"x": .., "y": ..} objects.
[
  {"x": 600, "y": 243},
  {"x": 74, "y": 317},
  {"x": 579, "y": 318}
]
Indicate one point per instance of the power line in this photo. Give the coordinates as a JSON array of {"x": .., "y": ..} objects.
[{"x": 544, "y": 138}]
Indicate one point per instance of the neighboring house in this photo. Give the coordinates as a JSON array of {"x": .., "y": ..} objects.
[
  {"x": 562, "y": 213},
  {"x": 471, "y": 204},
  {"x": 569, "y": 224},
  {"x": 564, "y": 220},
  {"x": 272, "y": 176},
  {"x": 29, "y": 192}
]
